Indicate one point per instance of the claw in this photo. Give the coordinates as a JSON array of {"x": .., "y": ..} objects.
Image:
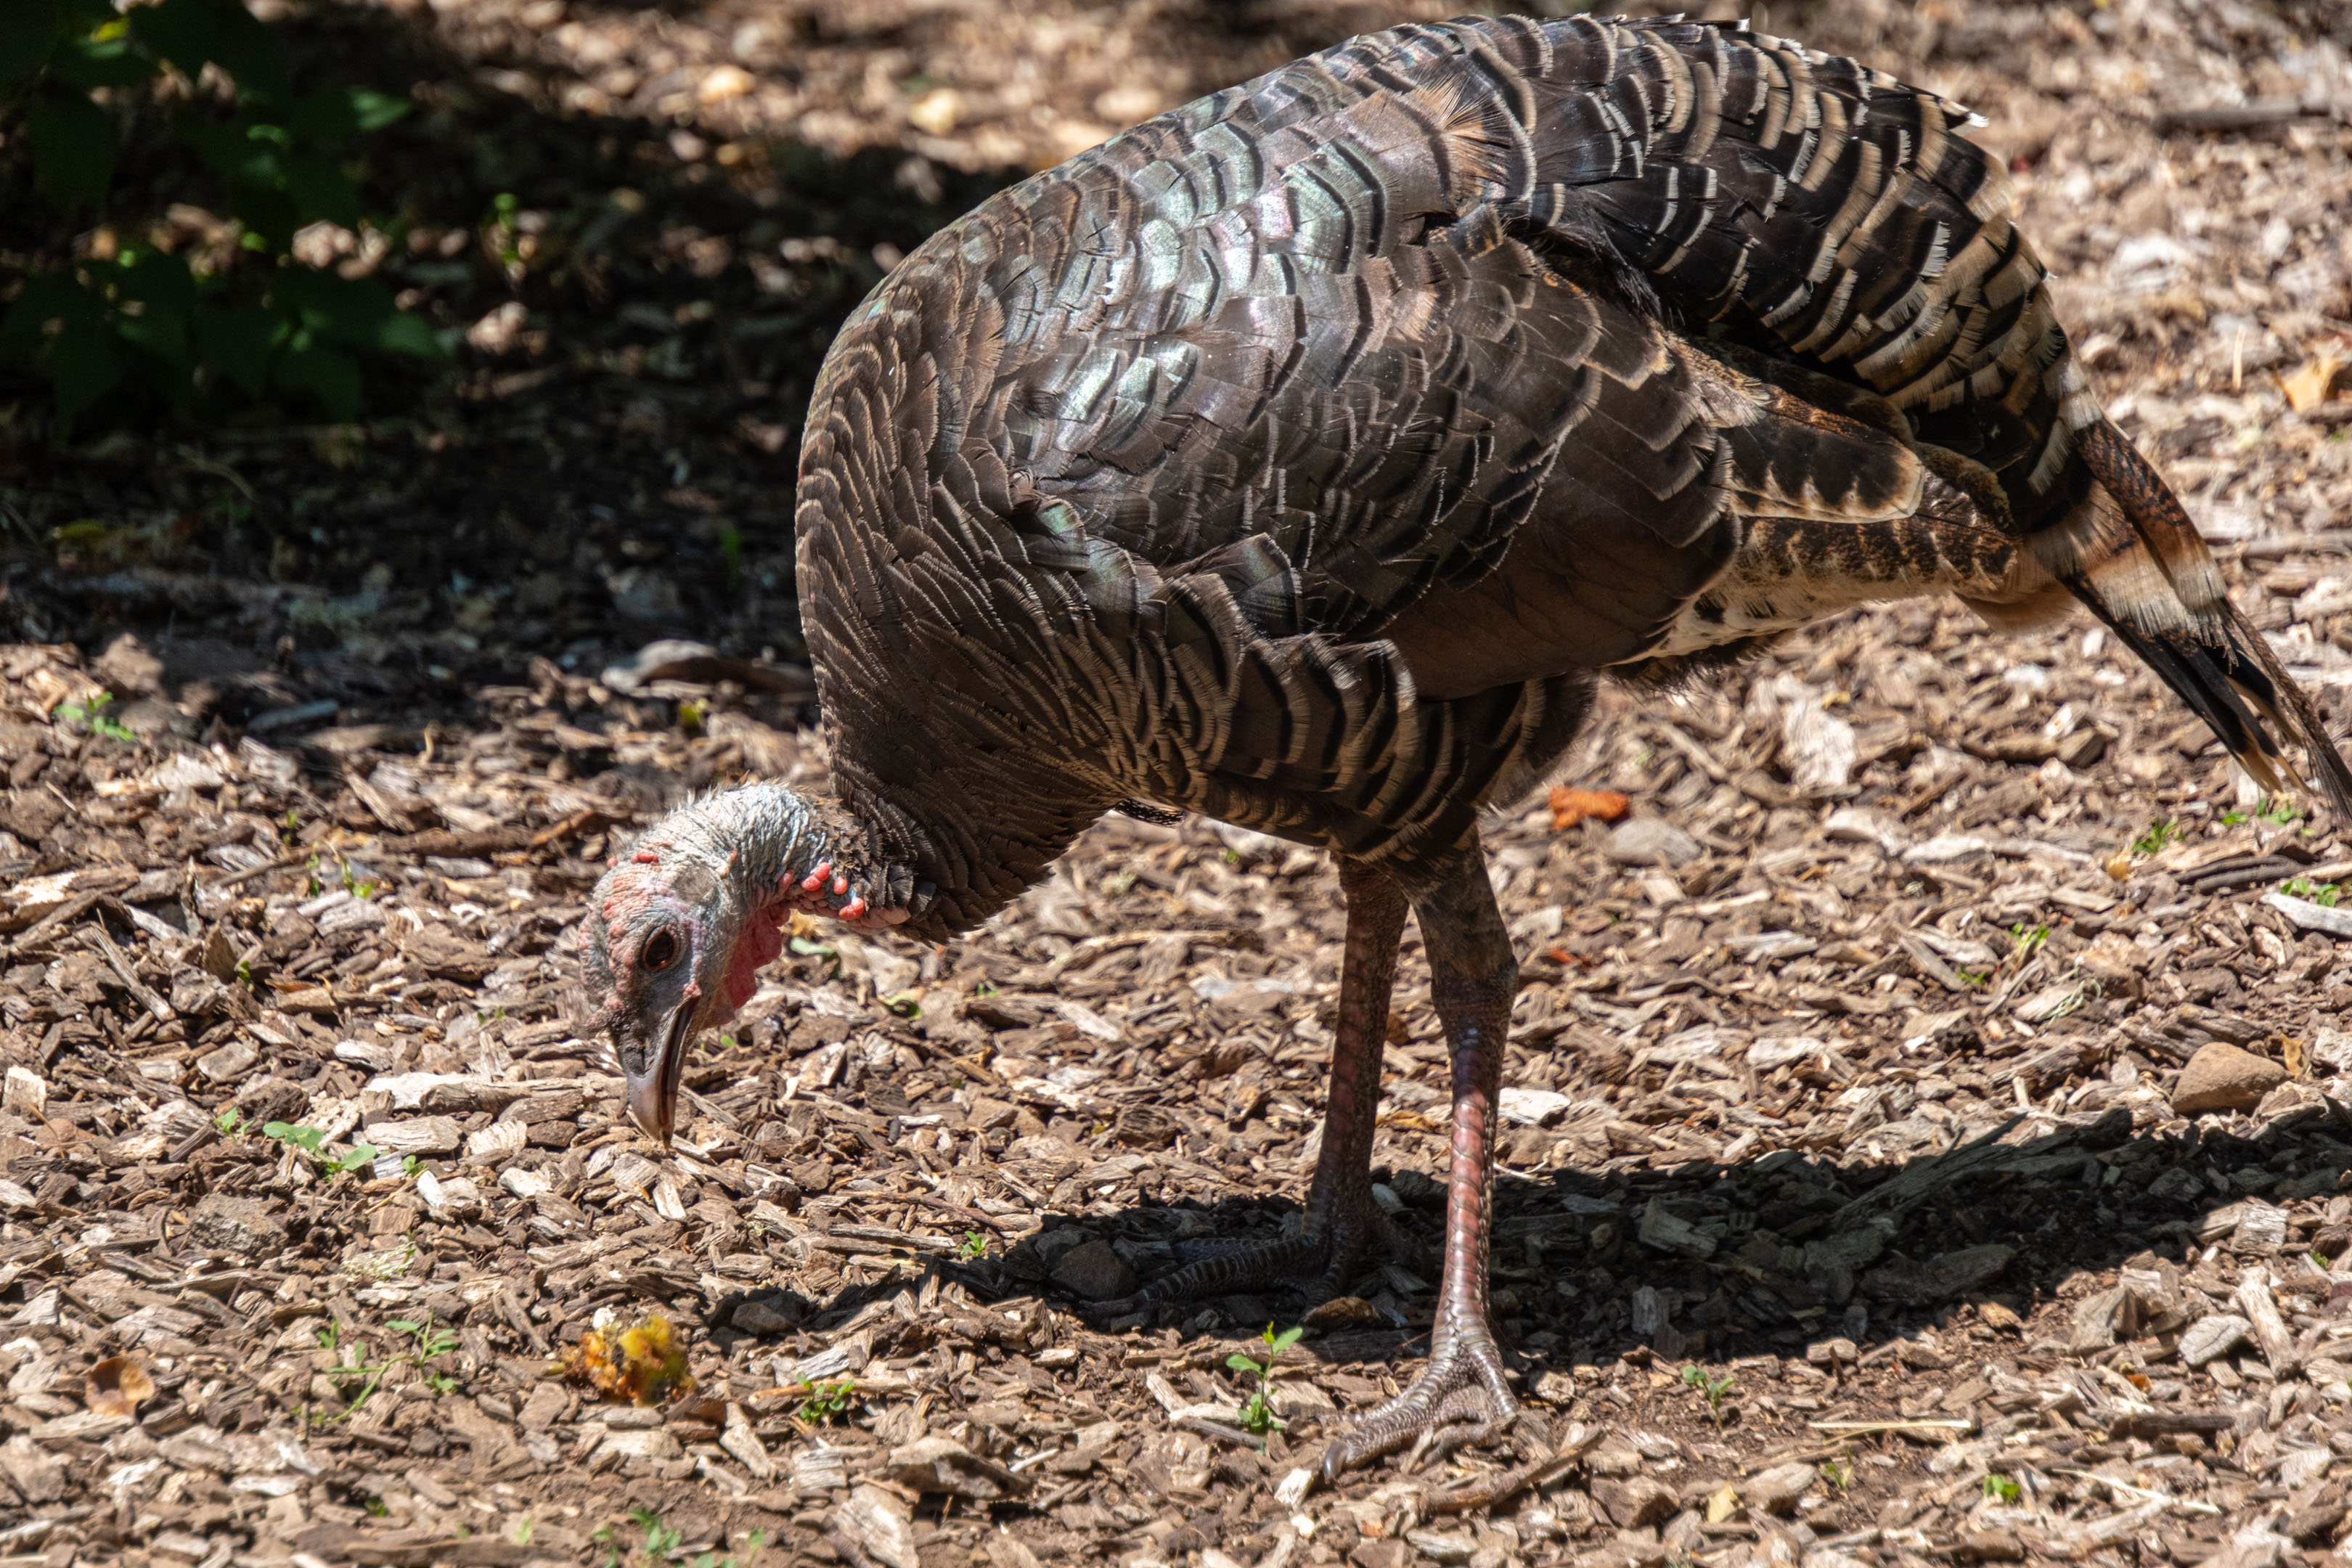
[{"x": 1460, "y": 1399}]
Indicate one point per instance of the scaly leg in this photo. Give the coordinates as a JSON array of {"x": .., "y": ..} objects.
[
  {"x": 1342, "y": 1216},
  {"x": 1461, "y": 1395}
]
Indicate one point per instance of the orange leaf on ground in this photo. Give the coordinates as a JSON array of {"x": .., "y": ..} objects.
[
  {"x": 2307, "y": 387},
  {"x": 117, "y": 1385},
  {"x": 1570, "y": 806}
]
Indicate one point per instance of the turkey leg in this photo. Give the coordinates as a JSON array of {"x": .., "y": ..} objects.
[
  {"x": 1461, "y": 1395},
  {"x": 1342, "y": 1216}
]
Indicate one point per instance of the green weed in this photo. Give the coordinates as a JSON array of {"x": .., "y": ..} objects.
[
  {"x": 1717, "y": 1389},
  {"x": 828, "y": 1402},
  {"x": 312, "y": 1142},
  {"x": 2326, "y": 894},
  {"x": 660, "y": 1544},
  {"x": 2001, "y": 1489},
  {"x": 92, "y": 716},
  {"x": 1257, "y": 1416},
  {"x": 2161, "y": 832},
  {"x": 426, "y": 1343}
]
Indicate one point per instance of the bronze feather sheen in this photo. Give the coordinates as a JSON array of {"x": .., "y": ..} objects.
[
  {"x": 1298, "y": 457},
  {"x": 1304, "y": 457}
]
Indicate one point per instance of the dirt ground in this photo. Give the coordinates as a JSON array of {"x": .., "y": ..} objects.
[{"x": 1927, "y": 1107}]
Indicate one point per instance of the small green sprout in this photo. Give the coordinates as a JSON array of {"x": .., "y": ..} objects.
[
  {"x": 228, "y": 1121},
  {"x": 504, "y": 228},
  {"x": 661, "y": 1539},
  {"x": 92, "y": 715},
  {"x": 2001, "y": 1489},
  {"x": 904, "y": 1005},
  {"x": 1257, "y": 1416},
  {"x": 307, "y": 1139},
  {"x": 2277, "y": 813},
  {"x": 1717, "y": 1389},
  {"x": 828, "y": 1402},
  {"x": 1975, "y": 976},
  {"x": 975, "y": 1248},
  {"x": 2161, "y": 832},
  {"x": 429, "y": 1343},
  {"x": 312, "y": 1142},
  {"x": 2025, "y": 939},
  {"x": 1839, "y": 1473},
  {"x": 2325, "y": 894}
]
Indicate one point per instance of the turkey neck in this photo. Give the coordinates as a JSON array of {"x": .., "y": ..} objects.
[{"x": 762, "y": 845}]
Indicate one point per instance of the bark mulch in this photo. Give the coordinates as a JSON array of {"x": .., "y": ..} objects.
[{"x": 1929, "y": 1105}]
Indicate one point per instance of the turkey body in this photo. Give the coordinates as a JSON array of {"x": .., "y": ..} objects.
[
  {"x": 1304, "y": 457},
  {"x": 1298, "y": 457}
]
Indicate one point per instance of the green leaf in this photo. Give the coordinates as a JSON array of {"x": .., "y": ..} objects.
[
  {"x": 1288, "y": 1338},
  {"x": 218, "y": 143},
  {"x": 304, "y": 1138},
  {"x": 326, "y": 117},
  {"x": 346, "y": 310},
  {"x": 328, "y": 374},
  {"x": 320, "y": 191},
  {"x": 235, "y": 341},
  {"x": 51, "y": 297},
  {"x": 84, "y": 366},
  {"x": 373, "y": 110},
  {"x": 406, "y": 333},
  {"x": 73, "y": 150},
  {"x": 102, "y": 58},
  {"x": 259, "y": 200},
  {"x": 26, "y": 44},
  {"x": 1241, "y": 1362}
]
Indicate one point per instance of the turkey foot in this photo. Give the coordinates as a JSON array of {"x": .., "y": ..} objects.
[
  {"x": 1318, "y": 1262},
  {"x": 1342, "y": 1217},
  {"x": 1460, "y": 1396}
]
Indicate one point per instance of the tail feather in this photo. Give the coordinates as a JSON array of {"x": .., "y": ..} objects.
[
  {"x": 2156, "y": 515},
  {"x": 2159, "y": 589}
]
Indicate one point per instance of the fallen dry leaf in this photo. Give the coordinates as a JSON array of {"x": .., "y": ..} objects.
[
  {"x": 117, "y": 1386},
  {"x": 2308, "y": 385},
  {"x": 1570, "y": 806}
]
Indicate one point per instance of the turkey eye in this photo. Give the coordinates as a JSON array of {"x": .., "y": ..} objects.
[{"x": 660, "y": 953}]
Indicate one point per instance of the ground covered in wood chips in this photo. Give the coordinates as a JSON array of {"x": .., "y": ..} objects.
[{"x": 1929, "y": 1100}]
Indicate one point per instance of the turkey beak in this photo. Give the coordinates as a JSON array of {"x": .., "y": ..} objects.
[{"x": 652, "y": 1099}]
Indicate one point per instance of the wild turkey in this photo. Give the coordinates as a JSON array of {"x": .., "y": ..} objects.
[{"x": 1304, "y": 457}]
